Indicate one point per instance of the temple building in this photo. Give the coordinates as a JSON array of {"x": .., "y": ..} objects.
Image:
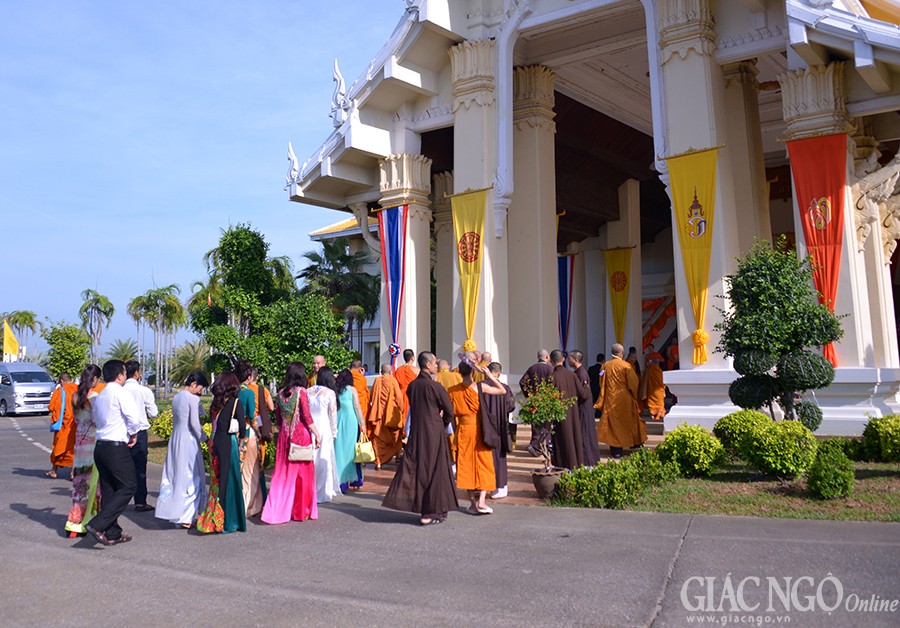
[{"x": 606, "y": 141}]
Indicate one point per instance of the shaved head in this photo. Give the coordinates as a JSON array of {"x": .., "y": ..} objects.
[
  {"x": 617, "y": 350},
  {"x": 543, "y": 355},
  {"x": 385, "y": 369}
]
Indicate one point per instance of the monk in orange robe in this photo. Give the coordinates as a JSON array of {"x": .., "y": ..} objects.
[
  {"x": 63, "y": 452},
  {"x": 475, "y": 460},
  {"x": 447, "y": 378},
  {"x": 406, "y": 374},
  {"x": 620, "y": 425},
  {"x": 361, "y": 386},
  {"x": 653, "y": 390},
  {"x": 385, "y": 417},
  {"x": 653, "y": 354}
]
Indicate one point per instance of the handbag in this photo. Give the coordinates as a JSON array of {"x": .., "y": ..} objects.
[
  {"x": 300, "y": 453},
  {"x": 57, "y": 425},
  {"x": 233, "y": 425},
  {"x": 365, "y": 452},
  {"x": 265, "y": 422}
]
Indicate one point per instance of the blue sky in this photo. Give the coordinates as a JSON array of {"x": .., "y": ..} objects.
[{"x": 130, "y": 133}]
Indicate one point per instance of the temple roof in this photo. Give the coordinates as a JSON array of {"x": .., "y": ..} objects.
[{"x": 341, "y": 229}]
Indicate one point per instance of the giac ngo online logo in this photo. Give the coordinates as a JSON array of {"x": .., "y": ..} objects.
[{"x": 757, "y": 600}]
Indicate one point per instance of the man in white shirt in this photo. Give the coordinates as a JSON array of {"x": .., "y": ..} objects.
[
  {"x": 118, "y": 422},
  {"x": 146, "y": 406}
]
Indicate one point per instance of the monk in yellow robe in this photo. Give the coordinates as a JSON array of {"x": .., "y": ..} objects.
[
  {"x": 385, "y": 417},
  {"x": 475, "y": 460},
  {"x": 63, "y": 452},
  {"x": 653, "y": 390},
  {"x": 620, "y": 425},
  {"x": 447, "y": 378},
  {"x": 361, "y": 386},
  {"x": 406, "y": 374}
]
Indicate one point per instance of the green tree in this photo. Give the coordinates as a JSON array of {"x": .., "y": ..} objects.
[
  {"x": 775, "y": 318},
  {"x": 164, "y": 314},
  {"x": 69, "y": 348},
  {"x": 124, "y": 350},
  {"x": 340, "y": 276},
  {"x": 191, "y": 356},
  {"x": 96, "y": 314},
  {"x": 23, "y": 322}
]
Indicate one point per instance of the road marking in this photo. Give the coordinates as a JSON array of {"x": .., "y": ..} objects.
[{"x": 22, "y": 433}]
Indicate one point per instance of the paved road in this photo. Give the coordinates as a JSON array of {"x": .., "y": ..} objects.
[{"x": 360, "y": 564}]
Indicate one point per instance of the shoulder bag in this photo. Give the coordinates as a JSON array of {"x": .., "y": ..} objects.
[
  {"x": 365, "y": 452},
  {"x": 233, "y": 426},
  {"x": 265, "y": 422},
  {"x": 300, "y": 453}
]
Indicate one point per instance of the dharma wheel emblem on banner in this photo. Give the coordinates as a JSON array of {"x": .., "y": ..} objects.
[
  {"x": 819, "y": 212},
  {"x": 468, "y": 246},
  {"x": 618, "y": 280},
  {"x": 696, "y": 224}
]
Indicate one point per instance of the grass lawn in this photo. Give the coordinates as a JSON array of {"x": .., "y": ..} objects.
[{"x": 738, "y": 490}]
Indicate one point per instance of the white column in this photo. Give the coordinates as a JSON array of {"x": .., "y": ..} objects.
[
  {"x": 532, "y": 219},
  {"x": 473, "y": 75},
  {"x": 744, "y": 136},
  {"x": 696, "y": 117},
  {"x": 626, "y": 233},
  {"x": 406, "y": 180},
  {"x": 445, "y": 260},
  {"x": 578, "y": 321}
]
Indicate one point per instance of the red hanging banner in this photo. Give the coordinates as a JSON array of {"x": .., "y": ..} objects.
[{"x": 819, "y": 166}]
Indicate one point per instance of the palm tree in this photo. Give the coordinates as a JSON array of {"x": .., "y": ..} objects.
[
  {"x": 124, "y": 350},
  {"x": 23, "y": 322},
  {"x": 339, "y": 275},
  {"x": 96, "y": 314},
  {"x": 137, "y": 310},
  {"x": 282, "y": 269},
  {"x": 191, "y": 356},
  {"x": 164, "y": 314}
]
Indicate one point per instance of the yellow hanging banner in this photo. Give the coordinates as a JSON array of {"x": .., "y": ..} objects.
[
  {"x": 10, "y": 344},
  {"x": 468, "y": 229},
  {"x": 618, "y": 274},
  {"x": 693, "y": 179}
]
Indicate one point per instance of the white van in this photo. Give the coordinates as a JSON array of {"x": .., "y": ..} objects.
[{"x": 24, "y": 388}]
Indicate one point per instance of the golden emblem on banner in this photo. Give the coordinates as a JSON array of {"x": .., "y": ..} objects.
[
  {"x": 468, "y": 246},
  {"x": 696, "y": 223},
  {"x": 618, "y": 280},
  {"x": 819, "y": 212}
]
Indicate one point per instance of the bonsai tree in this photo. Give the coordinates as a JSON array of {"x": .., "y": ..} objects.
[
  {"x": 776, "y": 317},
  {"x": 543, "y": 408}
]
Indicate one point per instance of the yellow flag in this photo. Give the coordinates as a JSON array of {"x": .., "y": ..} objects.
[
  {"x": 10, "y": 344},
  {"x": 618, "y": 274},
  {"x": 693, "y": 180},
  {"x": 468, "y": 228}
]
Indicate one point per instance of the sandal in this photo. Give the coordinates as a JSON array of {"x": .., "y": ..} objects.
[
  {"x": 143, "y": 507},
  {"x": 51, "y": 475},
  {"x": 430, "y": 522},
  {"x": 473, "y": 511},
  {"x": 487, "y": 510}
]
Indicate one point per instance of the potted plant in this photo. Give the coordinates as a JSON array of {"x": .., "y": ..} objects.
[{"x": 543, "y": 408}]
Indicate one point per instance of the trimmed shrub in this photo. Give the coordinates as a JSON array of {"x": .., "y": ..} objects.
[
  {"x": 754, "y": 362},
  {"x": 692, "y": 449},
  {"x": 881, "y": 439},
  {"x": 831, "y": 474},
  {"x": 804, "y": 370},
  {"x": 852, "y": 447},
  {"x": 752, "y": 391},
  {"x": 161, "y": 425},
  {"x": 809, "y": 414},
  {"x": 784, "y": 449},
  {"x": 732, "y": 429},
  {"x": 613, "y": 485}
]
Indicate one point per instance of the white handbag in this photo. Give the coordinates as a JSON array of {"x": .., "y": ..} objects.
[{"x": 233, "y": 426}]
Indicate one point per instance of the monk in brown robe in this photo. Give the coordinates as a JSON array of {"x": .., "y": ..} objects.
[
  {"x": 63, "y": 452},
  {"x": 447, "y": 378},
  {"x": 652, "y": 390},
  {"x": 361, "y": 386},
  {"x": 385, "y": 417},
  {"x": 568, "y": 449},
  {"x": 620, "y": 425},
  {"x": 424, "y": 481},
  {"x": 589, "y": 442},
  {"x": 495, "y": 411},
  {"x": 474, "y": 461},
  {"x": 537, "y": 371}
]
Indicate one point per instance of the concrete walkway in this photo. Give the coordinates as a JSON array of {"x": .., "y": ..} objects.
[{"x": 360, "y": 564}]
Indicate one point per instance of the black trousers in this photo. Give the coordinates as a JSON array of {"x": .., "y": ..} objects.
[
  {"x": 117, "y": 485},
  {"x": 139, "y": 456}
]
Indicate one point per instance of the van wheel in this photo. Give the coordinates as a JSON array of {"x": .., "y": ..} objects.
[{"x": 3, "y": 409}]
